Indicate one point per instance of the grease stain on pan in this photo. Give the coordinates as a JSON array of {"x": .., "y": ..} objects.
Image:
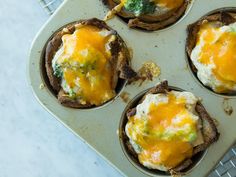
[
  {"x": 125, "y": 96},
  {"x": 148, "y": 71},
  {"x": 228, "y": 109}
]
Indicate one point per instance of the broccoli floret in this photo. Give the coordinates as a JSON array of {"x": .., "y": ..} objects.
[
  {"x": 192, "y": 137},
  {"x": 139, "y": 7},
  {"x": 58, "y": 71},
  {"x": 72, "y": 94},
  {"x": 88, "y": 66}
]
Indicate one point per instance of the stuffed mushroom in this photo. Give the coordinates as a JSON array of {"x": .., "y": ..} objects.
[
  {"x": 166, "y": 129},
  {"x": 148, "y": 14},
  {"x": 84, "y": 62}
]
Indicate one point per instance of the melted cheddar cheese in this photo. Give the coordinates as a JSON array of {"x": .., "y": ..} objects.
[
  {"x": 164, "y": 129},
  {"x": 84, "y": 59},
  {"x": 216, "y": 48},
  {"x": 169, "y": 4}
]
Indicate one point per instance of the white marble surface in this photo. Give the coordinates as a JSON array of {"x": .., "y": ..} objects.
[{"x": 32, "y": 142}]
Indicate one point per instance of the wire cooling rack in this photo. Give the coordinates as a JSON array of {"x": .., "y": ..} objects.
[
  {"x": 50, "y": 5},
  {"x": 227, "y": 165}
]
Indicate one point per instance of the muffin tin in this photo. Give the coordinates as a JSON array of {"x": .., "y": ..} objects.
[{"x": 166, "y": 48}]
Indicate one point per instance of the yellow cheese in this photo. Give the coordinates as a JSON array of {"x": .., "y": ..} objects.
[
  {"x": 220, "y": 52},
  {"x": 148, "y": 134},
  {"x": 86, "y": 64},
  {"x": 170, "y": 4}
]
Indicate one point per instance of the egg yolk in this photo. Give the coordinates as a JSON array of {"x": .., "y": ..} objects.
[
  {"x": 170, "y": 4},
  {"x": 219, "y": 49},
  {"x": 149, "y": 134},
  {"x": 86, "y": 64}
]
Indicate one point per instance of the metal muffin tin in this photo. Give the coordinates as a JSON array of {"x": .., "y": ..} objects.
[{"x": 166, "y": 48}]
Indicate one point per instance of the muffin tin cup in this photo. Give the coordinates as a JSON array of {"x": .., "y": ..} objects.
[
  {"x": 120, "y": 83},
  {"x": 133, "y": 160},
  {"x": 98, "y": 127},
  {"x": 190, "y": 4},
  {"x": 191, "y": 65}
]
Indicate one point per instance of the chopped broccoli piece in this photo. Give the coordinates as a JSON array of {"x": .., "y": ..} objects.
[
  {"x": 72, "y": 94},
  {"x": 58, "y": 71},
  {"x": 139, "y": 7},
  {"x": 192, "y": 137},
  {"x": 88, "y": 66}
]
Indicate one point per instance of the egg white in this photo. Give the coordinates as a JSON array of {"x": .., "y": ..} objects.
[{"x": 205, "y": 72}]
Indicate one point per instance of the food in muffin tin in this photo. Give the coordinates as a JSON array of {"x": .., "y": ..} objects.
[
  {"x": 84, "y": 62},
  {"x": 211, "y": 47},
  {"x": 167, "y": 129},
  {"x": 147, "y": 14}
]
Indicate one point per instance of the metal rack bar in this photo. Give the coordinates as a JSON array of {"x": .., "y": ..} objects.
[{"x": 50, "y": 5}]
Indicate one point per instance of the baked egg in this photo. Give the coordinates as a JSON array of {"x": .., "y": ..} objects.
[
  {"x": 165, "y": 129},
  {"x": 83, "y": 62},
  {"x": 214, "y": 56}
]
